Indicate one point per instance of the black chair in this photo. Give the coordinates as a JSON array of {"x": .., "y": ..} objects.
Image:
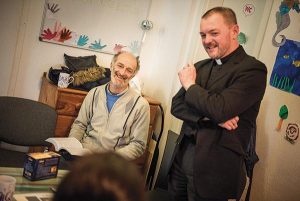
[
  {"x": 154, "y": 150},
  {"x": 160, "y": 188},
  {"x": 23, "y": 122}
]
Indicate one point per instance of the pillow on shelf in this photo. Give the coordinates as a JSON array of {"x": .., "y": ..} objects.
[
  {"x": 80, "y": 63},
  {"x": 87, "y": 85},
  {"x": 90, "y": 75}
]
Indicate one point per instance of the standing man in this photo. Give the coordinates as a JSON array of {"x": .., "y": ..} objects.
[
  {"x": 114, "y": 117},
  {"x": 218, "y": 103}
]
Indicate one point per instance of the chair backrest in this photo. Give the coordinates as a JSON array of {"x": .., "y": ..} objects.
[
  {"x": 154, "y": 151},
  {"x": 26, "y": 122},
  {"x": 162, "y": 177}
]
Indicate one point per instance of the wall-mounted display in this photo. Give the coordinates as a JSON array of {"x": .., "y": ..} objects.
[
  {"x": 292, "y": 132},
  {"x": 286, "y": 71},
  {"x": 250, "y": 17},
  {"x": 283, "y": 114},
  {"x": 107, "y": 25},
  {"x": 283, "y": 19}
]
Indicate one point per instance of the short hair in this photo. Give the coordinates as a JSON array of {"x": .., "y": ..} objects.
[
  {"x": 101, "y": 176},
  {"x": 227, "y": 13},
  {"x": 115, "y": 57}
]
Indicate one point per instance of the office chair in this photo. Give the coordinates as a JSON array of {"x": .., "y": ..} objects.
[
  {"x": 23, "y": 122},
  {"x": 160, "y": 188}
]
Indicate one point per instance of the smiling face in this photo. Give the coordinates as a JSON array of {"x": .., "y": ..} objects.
[
  {"x": 123, "y": 68},
  {"x": 219, "y": 38}
]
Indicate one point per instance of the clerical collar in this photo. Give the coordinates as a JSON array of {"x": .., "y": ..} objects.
[
  {"x": 228, "y": 57},
  {"x": 114, "y": 94},
  {"x": 218, "y": 61}
]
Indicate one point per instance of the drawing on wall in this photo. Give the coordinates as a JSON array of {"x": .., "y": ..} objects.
[
  {"x": 292, "y": 132},
  {"x": 283, "y": 114},
  {"x": 242, "y": 38},
  {"x": 283, "y": 19},
  {"x": 286, "y": 71},
  {"x": 107, "y": 26},
  {"x": 248, "y": 9}
]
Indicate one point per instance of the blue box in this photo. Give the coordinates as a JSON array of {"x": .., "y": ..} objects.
[{"x": 41, "y": 165}]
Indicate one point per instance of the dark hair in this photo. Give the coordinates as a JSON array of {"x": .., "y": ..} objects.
[
  {"x": 101, "y": 177},
  {"x": 227, "y": 13}
]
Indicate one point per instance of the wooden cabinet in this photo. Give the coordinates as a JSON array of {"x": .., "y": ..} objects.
[{"x": 67, "y": 103}]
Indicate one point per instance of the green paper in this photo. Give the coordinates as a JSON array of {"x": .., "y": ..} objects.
[
  {"x": 283, "y": 112},
  {"x": 242, "y": 38}
]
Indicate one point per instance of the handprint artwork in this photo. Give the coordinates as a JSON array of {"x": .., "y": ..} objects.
[
  {"x": 118, "y": 48},
  {"x": 134, "y": 46},
  {"x": 95, "y": 25},
  {"x": 48, "y": 35},
  {"x": 65, "y": 35},
  {"x": 97, "y": 45},
  {"x": 83, "y": 39},
  {"x": 59, "y": 33},
  {"x": 53, "y": 7}
]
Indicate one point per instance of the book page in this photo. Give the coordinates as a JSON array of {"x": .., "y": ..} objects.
[
  {"x": 70, "y": 144},
  {"x": 78, "y": 151}
]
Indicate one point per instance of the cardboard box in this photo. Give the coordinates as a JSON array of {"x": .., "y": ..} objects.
[{"x": 41, "y": 165}]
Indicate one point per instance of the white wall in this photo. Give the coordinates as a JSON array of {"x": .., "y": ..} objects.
[
  {"x": 277, "y": 176},
  {"x": 11, "y": 10},
  {"x": 167, "y": 48}
]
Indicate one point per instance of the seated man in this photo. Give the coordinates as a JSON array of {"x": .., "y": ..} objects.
[
  {"x": 114, "y": 116},
  {"x": 101, "y": 176}
]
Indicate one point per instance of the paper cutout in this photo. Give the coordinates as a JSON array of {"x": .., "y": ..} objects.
[
  {"x": 118, "y": 48},
  {"x": 248, "y": 9},
  {"x": 96, "y": 30},
  {"x": 292, "y": 133},
  {"x": 283, "y": 114},
  {"x": 242, "y": 38},
  {"x": 286, "y": 70},
  {"x": 283, "y": 19}
]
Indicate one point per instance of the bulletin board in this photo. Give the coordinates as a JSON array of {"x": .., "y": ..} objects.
[{"x": 97, "y": 25}]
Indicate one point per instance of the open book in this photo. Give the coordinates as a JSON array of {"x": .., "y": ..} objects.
[{"x": 69, "y": 144}]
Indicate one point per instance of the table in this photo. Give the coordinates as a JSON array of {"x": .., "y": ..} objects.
[{"x": 24, "y": 185}]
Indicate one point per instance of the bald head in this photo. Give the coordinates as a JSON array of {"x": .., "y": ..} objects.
[{"x": 127, "y": 55}]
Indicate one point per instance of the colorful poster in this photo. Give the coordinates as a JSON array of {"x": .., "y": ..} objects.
[
  {"x": 101, "y": 26},
  {"x": 286, "y": 71}
]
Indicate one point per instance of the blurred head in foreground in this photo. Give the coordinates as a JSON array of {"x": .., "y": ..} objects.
[{"x": 101, "y": 177}]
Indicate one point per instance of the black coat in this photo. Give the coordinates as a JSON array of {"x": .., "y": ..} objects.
[{"x": 236, "y": 90}]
